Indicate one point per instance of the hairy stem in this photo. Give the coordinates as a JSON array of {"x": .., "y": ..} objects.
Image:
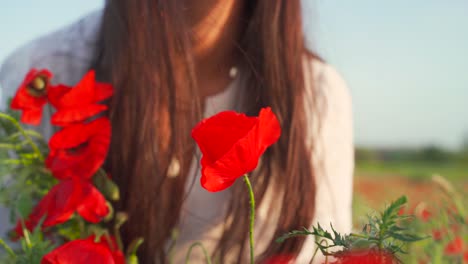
[
  {"x": 205, "y": 253},
  {"x": 7, "y": 248},
  {"x": 252, "y": 218}
]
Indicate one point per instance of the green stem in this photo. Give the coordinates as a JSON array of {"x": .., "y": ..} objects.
[
  {"x": 381, "y": 233},
  {"x": 252, "y": 217},
  {"x": 7, "y": 248},
  {"x": 25, "y": 135},
  {"x": 11, "y": 162},
  {"x": 81, "y": 227},
  {"x": 205, "y": 253},
  {"x": 313, "y": 256},
  {"x": 26, "y": 237},
  {"x": 8, "y": 146},
  {"x": 327, "y": 253},
  {"x": 118, "y": 238},
  {"x": 28, "y": 132},
  {"x": 174, "y": 237}
]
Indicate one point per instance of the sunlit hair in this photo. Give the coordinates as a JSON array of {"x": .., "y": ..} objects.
[{"x": 144, "y": 50}]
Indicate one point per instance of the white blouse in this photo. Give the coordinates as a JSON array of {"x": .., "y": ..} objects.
[{"x": 68, "y": 52}]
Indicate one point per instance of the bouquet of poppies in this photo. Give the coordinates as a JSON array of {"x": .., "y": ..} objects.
[
  {"x": 58, "y": 193},
  {"x": 61, "y": 198}
]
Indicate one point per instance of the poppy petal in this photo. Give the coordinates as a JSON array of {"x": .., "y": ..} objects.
[
  {"x": 269, "y": 129},
  {"x": 215, "y": 181},
  {"x": 65, "y": 116},
  {"x": 111, "y": 243},
  {"x": 56, "y": 93},
  {"x": 31, "y": 116},
  {"x": 69, "y": 137},
  {"x": 239, "y": 160},
  {"x": 212, "y": 137},
  {"x": 81, "y": 94},
  {"x": 57, "y": 206},
  {"x": 23, "y": 100},
  {"x": 102, "y": 91},
  {"x": 92, "y": 206},
  {"x": 80, "y": 251},
  {"x": 83, "y": 161}
]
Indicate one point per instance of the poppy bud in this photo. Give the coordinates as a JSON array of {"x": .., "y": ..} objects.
[{"x": 107, "y": 186}]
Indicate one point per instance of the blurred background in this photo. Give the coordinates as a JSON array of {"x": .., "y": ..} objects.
[{"x": 406, "y": 65}]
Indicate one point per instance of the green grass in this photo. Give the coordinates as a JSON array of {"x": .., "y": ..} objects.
[{"x": 453, "y": 171}]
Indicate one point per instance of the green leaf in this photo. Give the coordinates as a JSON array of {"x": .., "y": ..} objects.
[
  {"x": 70, "y": 230},
  {"x": 24, "y": 205},
  {"x": 362, "y": 243},
  {"x": 294, "y": 233},
  {"x": 407, "y": 237},
  {"x": 394, "y": 207}
]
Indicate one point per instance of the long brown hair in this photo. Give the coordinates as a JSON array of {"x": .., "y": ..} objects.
[{"x": 145, "y": 52}]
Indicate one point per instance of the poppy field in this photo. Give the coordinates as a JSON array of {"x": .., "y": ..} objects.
[{"x": 435, "y": 191}]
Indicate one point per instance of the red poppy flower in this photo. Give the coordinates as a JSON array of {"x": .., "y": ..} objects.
[
  {"x": 80, "y": 102},
  {"x": 426, "y": 215},
  {"x": 85, "y": 251},
  {"x": 437, "y": 234},
  {"x": 366, "y": 257},
  {"x": 231, "y": 144},
  {"x": 455, "y": 247},
  {"x": 79, "y": 150},
  {"x": 65, "y": 198},
  {"x": 31, "y": 96}
]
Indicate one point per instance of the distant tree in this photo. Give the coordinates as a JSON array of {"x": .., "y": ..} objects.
[
  {"x": 365, "y": 155},
  {"x": 465, "y": 143},
  {"x": 463, "y": 155},
  {"x": 433, "y": 153}
]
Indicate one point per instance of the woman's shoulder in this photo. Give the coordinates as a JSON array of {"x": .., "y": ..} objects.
[
  {"x": 324, "y": 79},
  {"x": 328, "y": 98},
  {"x": 66, "y": 52}
]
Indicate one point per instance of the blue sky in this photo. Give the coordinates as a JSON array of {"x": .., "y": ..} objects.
[{"x": 406, "y": 62}]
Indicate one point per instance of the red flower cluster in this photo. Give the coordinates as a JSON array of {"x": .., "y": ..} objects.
[
  {"x": 231, "y": 144},
  {"x": 102, "y": 251},
  {"x": 64, "y": 199},
  {"x": 77, "y": 151}
]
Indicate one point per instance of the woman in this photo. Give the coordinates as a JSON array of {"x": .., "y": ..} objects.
[{"x": 174, "y": 62}]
